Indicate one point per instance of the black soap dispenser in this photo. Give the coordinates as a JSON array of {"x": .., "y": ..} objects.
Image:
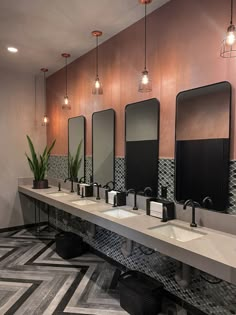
[{"x": 107, "y": 189}]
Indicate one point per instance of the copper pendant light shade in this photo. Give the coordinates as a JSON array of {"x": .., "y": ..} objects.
[
  {"x": 228, "y": 48},
  {"x": 145, "y": 84},
  {"x": 66, "y": 104},
  {"x": 97, "y": 85},
  {"x": 145, "y": 1},
  {"x": 45, "y": 119}
]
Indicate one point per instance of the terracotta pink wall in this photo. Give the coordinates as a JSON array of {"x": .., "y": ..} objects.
[
  {"x": 184, "y": 38},
  {"x": 203, "y": 117}
]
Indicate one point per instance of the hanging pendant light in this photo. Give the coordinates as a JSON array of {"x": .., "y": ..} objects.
[
  {"x": 45, "y": 119},
  {"x": 66, "y": 105},
  {"x": 228, "y": 48},
  {"x": 97, "y": 86},
  {"x": 145, "y": 84}
]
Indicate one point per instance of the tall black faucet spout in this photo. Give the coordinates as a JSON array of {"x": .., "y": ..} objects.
[
  {"x": 191, "y": 203},
  {"x": 72, "y": 184},
  {"x": 135, "y": 197}
]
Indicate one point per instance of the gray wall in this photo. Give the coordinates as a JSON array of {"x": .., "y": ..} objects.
[{"x": 20, "y": 115}]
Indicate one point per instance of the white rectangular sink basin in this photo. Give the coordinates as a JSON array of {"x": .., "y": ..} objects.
[
  {"x": 84, "y": 202},
  {"x": 58, "y": 194},
  {"x": 177, "y": 232},
  {"x": 119, "y": 213}
]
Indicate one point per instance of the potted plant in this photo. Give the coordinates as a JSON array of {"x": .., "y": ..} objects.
[
  {"x": 38, "y": 164},
  {"x": 74, "y": 164}
]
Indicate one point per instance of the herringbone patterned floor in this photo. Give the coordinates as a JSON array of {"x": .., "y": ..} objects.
[{"x": 35, "y": 280}]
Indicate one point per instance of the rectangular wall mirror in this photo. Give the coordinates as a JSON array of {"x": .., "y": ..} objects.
[
  {"x": 103, "y": 146},
  {"x": 142, "y": 145},
  {"x": 202, "y": 145},
  {"x": 76, "y": 135}
]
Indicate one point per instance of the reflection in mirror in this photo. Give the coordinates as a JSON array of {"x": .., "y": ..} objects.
[
  {"x": 103, "y": 146},
  {"x": 142, "y": 145},
  {"x": 202, "y": 145},
  {"x": 76, "y": 144}
]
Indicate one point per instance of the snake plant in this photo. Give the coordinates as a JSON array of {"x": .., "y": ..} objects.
[
  {"x": 75, "y": 162},
  {"x": 38, "y": 163}
]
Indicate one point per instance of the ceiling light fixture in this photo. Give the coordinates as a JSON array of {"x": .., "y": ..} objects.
[
  {"x": 66, "y": 104},
  {"x": 97, "y": 86},
  {"x": 12, "y": 49},
  {"x": 45, "y": 119},
  {"x": 145, "y": 84},
  {"x": 228, "y": 48}
]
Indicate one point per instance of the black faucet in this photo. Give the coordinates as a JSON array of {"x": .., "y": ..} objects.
[
  {"x": 192, "y": 204},
  {"x": 147, "y": 191},
  {"x": 135, "y": 197},
  {"x": 97, "y": 185},
  {"x": 82, "y": 179},
  {"x": 72, "y": 186},
  {"x": 207, "y": 201},
  {"x": 107, "y": 185}
]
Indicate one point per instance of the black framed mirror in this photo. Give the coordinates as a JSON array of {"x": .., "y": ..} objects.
[
  {"x": 202, "y": 145},
  {"x": 142, "y": 145},
  {"x": 103, "y": 146},
  {"x": 76, "y": 142}
]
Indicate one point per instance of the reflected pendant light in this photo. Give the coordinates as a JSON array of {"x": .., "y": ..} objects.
[
  {"x": 45, "y": 119},
  {"x": 66, "y": 105},
  {"x": 97, "y": 85},
  {"x": 228, "y": 48},
  {"x": 145, "y": 84}
]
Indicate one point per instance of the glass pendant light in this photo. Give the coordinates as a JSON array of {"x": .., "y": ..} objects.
[
  {"x": 228, "y": 48},
  {"x": 97, "y": 85},
  {"x": 45, "y": 119},
  {"x": 145, "y": 84},
  {"x": 66, "y": 105}
]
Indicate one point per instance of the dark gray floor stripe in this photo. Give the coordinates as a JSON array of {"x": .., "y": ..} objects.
[
  {"x": 25, "y": 296},
  {"x": 61, "y": 306}
]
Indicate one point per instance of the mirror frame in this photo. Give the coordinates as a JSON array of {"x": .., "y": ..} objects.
[
  {"x": 230, "y": 139},
  {"x": 84, "y": 130},
  {"x": 155, "y": 194},
  {"x": 114, "y": 145}
]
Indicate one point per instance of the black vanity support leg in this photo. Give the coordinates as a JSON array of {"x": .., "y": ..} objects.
[
  {"x": 35, "y": 216},
  {"x": 56, "y": 218},
  {"x": 115, "y": 279},
  {"x": 39, "y": 217},
  {"x": 48, "y": 208}
]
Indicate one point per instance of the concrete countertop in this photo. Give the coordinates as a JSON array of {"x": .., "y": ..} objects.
[{"x": 214, "y": 252}]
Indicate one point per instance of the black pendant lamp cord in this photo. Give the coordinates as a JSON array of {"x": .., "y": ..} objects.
[
  {"x": 66, "y": 76},
  {"x": 44, "y": 83},
  {"x": 145, "y": 37},
  {"x": 231, "y": 16},
  {"x": 96, "y": 56}
]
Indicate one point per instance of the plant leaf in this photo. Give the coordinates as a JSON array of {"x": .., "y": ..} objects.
[
  {"x": 75, "y": 162},
  {"x": 38, "y": 165}
]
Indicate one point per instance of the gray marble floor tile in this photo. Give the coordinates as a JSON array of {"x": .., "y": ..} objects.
[{"x": 34, "y": 280}]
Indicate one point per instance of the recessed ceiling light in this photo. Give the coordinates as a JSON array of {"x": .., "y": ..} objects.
[{"x": 12, "y": 49}]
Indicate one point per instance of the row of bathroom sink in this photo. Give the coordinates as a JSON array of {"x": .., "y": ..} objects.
[{"x": 169, "y": 229}]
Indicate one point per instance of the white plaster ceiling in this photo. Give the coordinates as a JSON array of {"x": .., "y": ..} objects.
[{"x": 43, "y": 29}]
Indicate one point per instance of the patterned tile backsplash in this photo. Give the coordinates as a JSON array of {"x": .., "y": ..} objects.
[{"x": 58, "y": 168}]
